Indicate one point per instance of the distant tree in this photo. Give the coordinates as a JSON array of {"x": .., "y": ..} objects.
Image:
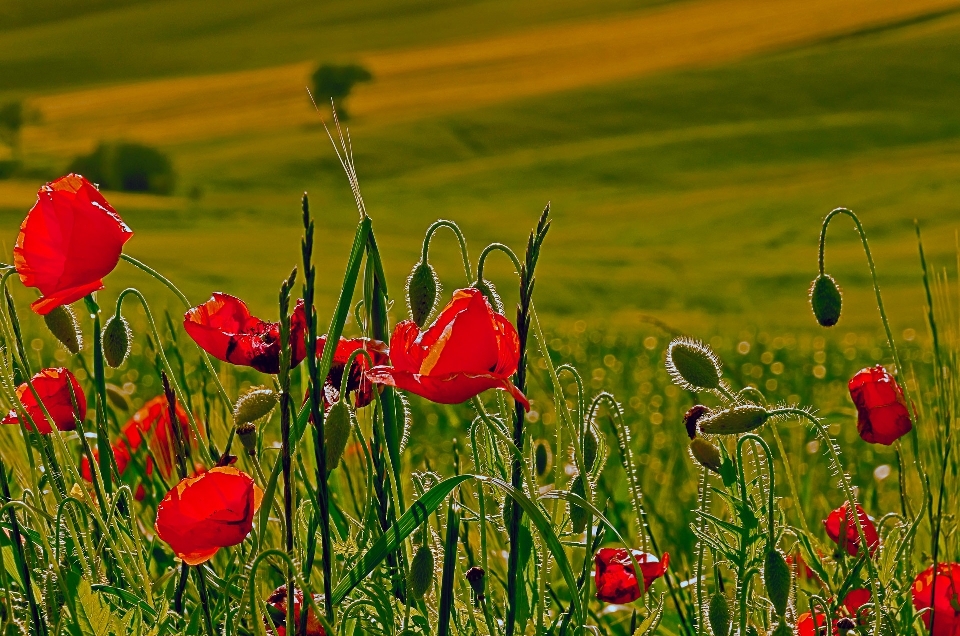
[
  {"x": 127, "y": 166},
  {"x": 335, "y": 81},
  {"x": 12, "y": 118}
]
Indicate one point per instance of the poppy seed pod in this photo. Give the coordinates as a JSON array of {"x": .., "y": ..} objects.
[
  {"x": 719, "y": 615},
  {"x": 247, "y": 432},
  {"x": 777, "y": 578},
  {"x": 578, "y": 515},
  {"x": 739, "y": 419},
  {"x": 62, "y": 323},
  {"x": 706, "y": 454},
  {"x": 490, "y": 292},
  {"x": 255, "y": 403},
  {"x": 420, "y": 576},
  {"x": 336, "y": 432},
  {"x": 826, "y": 300},
  {"x": 423, "y": 288},
  {"x": 116, "y": 340},
  {"x": 693, "y": 365}
]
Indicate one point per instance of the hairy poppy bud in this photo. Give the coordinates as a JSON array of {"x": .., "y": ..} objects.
[
  {"x": 255, "y": 403},
  {"x": 247, "y": 432},
  {"x": 420, "y": 576},
  {"x": 423, "y": 287},
  {"x": 62, "y": 323},
  {"x": 116, "y": 341},
  {"x": 739, "y": 419},
  {"x": 336, "y": 432},
  {"x": 826, "y": 300},
  {"x": 692, "y": 416},
  {"x": 490, "y": 293},
  {"x": 578, "y": 515},
  {"x": 719, "y": 615},
  {"x": 706, "y": 454},
  {"x": 784, "y": 630},
  {"x": 776, "y": 576},
  {"x": 541, "y": 457},
  {"x": 589, "y": 450},
  {"x": 475, "y": 579},
  {"x": 693, "y": 365}
]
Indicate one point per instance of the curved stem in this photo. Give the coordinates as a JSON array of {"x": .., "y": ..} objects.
[
  {"x": 501, "y": 247},
  {"x": 463, "y": 244},
  {"x": 704, "y": 502},
  {"x": 770, "y": 486}
]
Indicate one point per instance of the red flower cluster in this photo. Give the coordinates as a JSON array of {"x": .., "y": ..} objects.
[
  {"x": 882, "y": 415},
  {"x": 278, "y": 600},
  {"x": 357, "y": 383},
  {"x": 202, "y": 514},
  {"x": 468, "y": 349},
  {"x": 945, "y": 605},
  {"x": 855, "y": 599},
  {"x": 616, "y": 579},
  {"x": 69, "y": 241},
  {"x": 224, "y": 328},
  {"x": 840, "y": 523},
  {"x": 150, "y": 423},
  {"x": 53, "y": 387}
]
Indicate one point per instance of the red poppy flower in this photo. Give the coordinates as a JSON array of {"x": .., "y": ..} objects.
[
  {"x": 53, "y": 387},
  {"x": 151, "y": 421},
  {"x": 882, "y": 415},
  {"x": 615, "y": 578},
  {"x": 946, "y": 604},
  {"x": 69, "y": 241},
  {"x": 803, "y": 569},
  {"x": 357, "y": 383},
  {"x": 468, "y": 349},
  {"x": 278, "y": 600},
  {"x": 842, "y": 521},
  {"x": 202, "y": 514},
  {"x": 855, "y": 599},
  {"x": 805, "y": 626},
  {"x": 224, "y": 328}
]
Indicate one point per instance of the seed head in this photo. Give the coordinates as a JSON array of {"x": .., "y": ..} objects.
[
  {"x": 116, "y": 340},
  {"x": 732, "y": 421},
  {"x": 62, "y": 323},
  {"x": 706, "y": 454},
  {"x": 336, "y": 431},
  {"x": 420, "y": 576},
  {"x": 247, "y": 432},
  {"x": 826, "y": 300},
  {"x": 255, "y": 403},
  {"x": 719, "y": 615},
  {"x": 777, "y": 577},
  {"x": 423, "y": 287},
  {"x": 693, "y": 365}
]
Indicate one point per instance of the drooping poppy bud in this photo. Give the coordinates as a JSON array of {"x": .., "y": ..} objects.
[
  {"x": 718, "y": 614},
  {"x": 706, "y": 454},
  {"x": 468, "y": 349},
  {"x": 277, "y": 602},
  {"x": 420, "y": 576},
  {"x": 255, "y": 403},
  {"x": 357, "y": 383},
  {"x": 692, "y": 416},
  {"x": 826, "y": 300},
  {"x": 589, "y": 450},
  {"x": 224, "y": 328},
  {"x": 54, "y": 388},
  {"x": 202, "y": 514},
  {"x": 578, "y": 514},
  {"x": 423, "y": 288},
  {"x": 490, "y": 293},
  {"x": 336, "y": 431},
  {"x": 945, "y": 606},
  {"x": 732, "y": 421},
  {"x": 616, "y": 579},
  {"x": 69, "y": 241},
  {"x": 542, "y": 457},
  {"x": 116, "y": 340},
  {"x": 62, "y": 323},
  {"x": 693, "y": 365},
  {"x": 475, "y": 579},
  {"x": 778, "y": 578},
  {"x": 882, "y": 415},
  {"x": 842, "y": 529}
]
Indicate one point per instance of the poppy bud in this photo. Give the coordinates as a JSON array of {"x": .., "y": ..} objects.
[
  {"x": 589, "y": 450},
  {"x": 719, "y": 615},
  {"x": 475, "y": 579},
  {"x": 826, "y": 300},
  {"x": 845, "y": 624},
  {"x": 784, "y": 630},
  {"x": 116, "y": 340},
  {"x": 776, "y": 576},
  {"x": 117, "y": 396},
  {"x": 336, "y": 432},
  {"x": 420, "y": 576},
  {"x": 62, "y": 323},
  {"x": 255, "y": 403},
  {"x": 578, "y": 515},
  {"x": 693, "y": 365},
  {"x": 706, "y": 454},
  {"x": 541, "y": 458},
  {"x": 490, "y": 293},
  {"x": 692, "y": 416},
  {"x": 739, "y": 419},
  {"x": 247, "y": 432},
  {"x": 422, "y": 290}
]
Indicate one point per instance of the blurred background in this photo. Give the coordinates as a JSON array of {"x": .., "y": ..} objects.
[{"x": 689, "y": 149}]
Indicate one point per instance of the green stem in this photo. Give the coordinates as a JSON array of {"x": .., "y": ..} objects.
[
  {"x": 463, "y": 244},
  {"x": 204, "y": 599}
]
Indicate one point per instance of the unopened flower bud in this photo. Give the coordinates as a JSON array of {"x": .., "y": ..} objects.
[
  {"x": 62, "y": 323},
  {"x": 706, "y": 454},
  {"x": 423, "y": 287},
  {"x": 826, "y": 300},
  {"x": 256, "y": 402},
  {"x": 693, "y": 365},
  {"x": 475, "y": 579},
  {"x": 589, "y": 450},
  {"x": 247, "y": 432},
  {"x": 777, "y": 578},
  {"x": 490, "y": 293},
  {"x": 336, "y": 432},
  {"x": 116, "y": 340},
  {"x": 692, "y": 416},
  {"x": 739, "y": 419},
  {"x": 578, "y": 514},
  {"x": 541, "y": 457},
  {"x": 117, "y": 397},
  {"x": 719, "y": 615},
  {"x": 420, "y": 576}
]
